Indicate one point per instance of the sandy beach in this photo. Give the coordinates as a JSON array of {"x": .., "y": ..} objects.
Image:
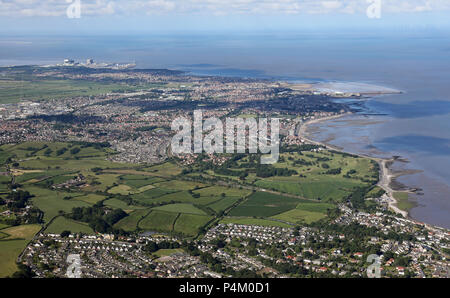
[{"x": 385, "y": 174}]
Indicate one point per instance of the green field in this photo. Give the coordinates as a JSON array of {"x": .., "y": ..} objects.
[
  {"x": 315, "y": 207},
  {"x": 12, "y": 91},
  {"x": 264, "y": 204},
  {"x": 325, "y": 188},
  {"x": 4, "y": 180},
  {"x": 90, "y": 198},
  {"x": 189, "y": 224},
  {"x": 105, "y": 181},
  {"x": 13, "y": 245},
  {"x": 130, "y": 223},
  {"x": 222, "y": 204},
  {"x": 178, "y": 185},
  {"x": 157, "y": 199},
  {"x": 167, "y": 169},
  {"x": 118, "y": 204},
  {"x": 180, "y": 208},
  {"x": 184, "y": 197},
  {"x": 121, "y": 189},
  {"x": 158, "y": 221},
  {"x": 51, "y": 202},
  {"x": 61, "y": 224},
  {"x": 297, "y": 216},
  {"x": 167, "y": 252},
  {"x": 215, "y": 191},
  {"x": 137, "y": 181},
  {"x": 149, "y": 195}
]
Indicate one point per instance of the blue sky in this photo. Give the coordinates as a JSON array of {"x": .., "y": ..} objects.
[{"x": 123, "y": 16}]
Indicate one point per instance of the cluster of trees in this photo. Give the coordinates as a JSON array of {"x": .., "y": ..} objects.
[
  {"x": 227, "y": 172},
  {"x": 23, "y": 272},
  {"x": 349, "y": 173},
  {"x": 98, "y": 145},
  {"x": 19, "y": 199},
  {"x": 334, "y": 171},
  {"x": 153, "y": 246},
  {"x": 75, "y": 150},
  {"x": 97, "y": 218},
  {"x": 302, "y": 162},
  {"x": 358, "y": 198},
  {"x": 299, "y": 148},
  {"x": 265, "y": 171},
  {"x": 61, "y": 151},
  {"x": 146, "y": 128}
]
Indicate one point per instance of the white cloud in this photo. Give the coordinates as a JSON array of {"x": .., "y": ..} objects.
[
  {"x": 213, "y": 7},
  {"x": 331, "y": 4}
]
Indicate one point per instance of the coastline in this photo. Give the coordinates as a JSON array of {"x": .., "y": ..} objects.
[{"x": 386, "y": 176}]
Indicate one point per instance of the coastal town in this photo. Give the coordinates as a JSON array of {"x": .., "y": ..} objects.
[{"x": 94, "y": 176}]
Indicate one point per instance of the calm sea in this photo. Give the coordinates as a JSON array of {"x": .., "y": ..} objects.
[{"x": 415, "y": 125}]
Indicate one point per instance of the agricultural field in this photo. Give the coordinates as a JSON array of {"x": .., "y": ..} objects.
[
  {"x": 189, "y": 224},
  {"x": 298, "y": 216},
  {"x": 12, "y": 245},
  {"x": 156, "y": 198},
  {"x": 138, "y": 181},
  {"x": 119, "y": 204},
  {"x": 159, "y": 221},
  {"x": 52, "y": 202},
  {"x": 19, "y": 89},
  {"x": 181, "y": 208},
  {"x": 101, "y": 183},
  {"x": 61, "y": 224},
  {"x": 315, "y": 207},
  {"x": 136, "y": 184},
  {"x": 90, "y": 198},
  {"x": 130, "y": 223},
  {"x": 178, "y": 185},
  {"x": 183, "y": 197},
  {"x": 223, "y": 204},
  {"x": 284, "y": 209},
  {"x": 323, "y": 188},
  {"x": 4, "y": 180},
  {"x": 214, "y": 191},
  {"x": 121, "y": 189},
  {"x": 167, "y": 169},
  {"x": 147, "y": 197},
  {"x": 262, "y": 204}
]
